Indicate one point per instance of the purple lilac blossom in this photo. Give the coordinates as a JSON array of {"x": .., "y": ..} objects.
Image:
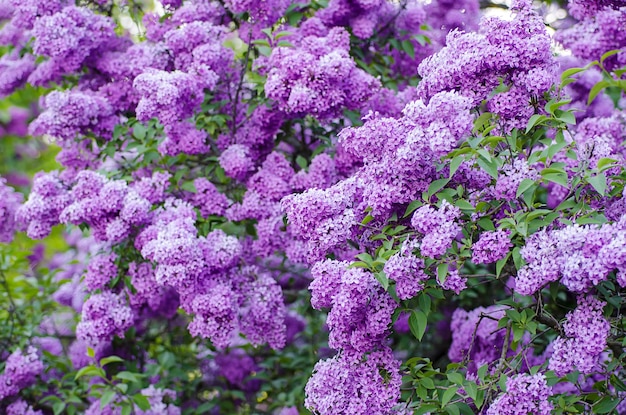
[
  {"x": 491, "y": 247},
  {"x": 10, "y": 201},
  {"x": 525, "y": 394},
  {"x": 104, "y": 315},
  {"x": 351, "y": 383},
  {"x": 586, "y": 332},
  {"x": 20, "y": 371},
  {"x": 318, "y": 77}
]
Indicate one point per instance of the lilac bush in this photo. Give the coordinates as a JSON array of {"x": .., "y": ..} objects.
[{"x": 333, "y": 207}]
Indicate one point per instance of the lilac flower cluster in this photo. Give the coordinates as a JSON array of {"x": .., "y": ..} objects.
[
  {"x": 516, "y": 53},
  {"x": 586, "y": 332},
  {"x": 70, "y": 114},
  {"x": 68, "y": 39},
  {"x": 525, "y": 394},
  {"x": 408, "y": 273},
  {"x": 360, "y": 311},
  {"x": 20, "y": 407},
  {"x": 172, "y": 97},
  {"x": 47, "y": 199},
  {"x": 110, "y": 207},
  {"x": 104, "y": 315},
  {"x": 439, "y": 228},
  {"x": 491, "y": 247},
  {"x": 580, "y": 256},
  {"x": 101, "y": 270},
  {"x": 350, "y": 383},
  {"x": 10, "y": 201},
  {"x": 20, "y": 371},
  {"x": 597, "y": 32},
  {"x": 204, "y": 270},
  {"x": 318, "y": 77}
]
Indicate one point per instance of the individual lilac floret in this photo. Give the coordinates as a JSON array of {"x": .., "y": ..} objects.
[
  {"x": 20, "y": 371},
  {"x": 491, "y": 247},
  {"x": 236, "y": 162},
  {"x": 351, "y": 383},
  {"x": 525, "y": 394},
  {"x": 104, "y": 315},
  {"x": 439, "y": 227},
  {"x": 10, "y": 201},
  {"x": 586, "y": 332},
  {"x": 46, "y": 201}
]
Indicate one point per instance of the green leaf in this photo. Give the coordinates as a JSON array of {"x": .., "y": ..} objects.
[
  {"x": 442, "y": 272},
  {"x": 110, "y": 359},
  {"x": 90, "y": 352},
  {"x": 599, "y": 183},
  {"x": 524, "y": 185},
  {"x": 605, "y": 162},
  {"x": 435, "y": 186},
  {"x": 413, "y": 206},
  {"x": 607, "y": 55},
  {"x": 535, "y": 120},
  {"x": 107, "y": 397},
  {"x": 486, "y": 224},
  {"x": 490, "y": 167},
  {"x": 367, "y": 220},
  {"x": 448, "y": 395},
  {"x": 139, "y": 131},
  {"x": 606, "y": 405},
  {"x": 302, "y": 162},
  {"x": 381, "y": 277},
  {"x": 565, "y": 116},
  {"x": 58, "y": 407},
  {"x": 558, "y": 178},
  {"x": 569, "y": 72},
  {"x": 89, "y": 371},
  {"x": 455, "y": 163},
  {"x": 456, "y": 377},
  {"x": 126, "y": 409},
  {"x": 482, "y": 121},
  {"x": 129, "y": 376},
  {"x": 417, "y": 323},
  {"x": 189, "y": 186},
  {"x": 408, "y": 48},
  {"x": 464, "y": 205},
  {"x": 596, "y": 89},
  {"x": 141, "y": 401}
]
